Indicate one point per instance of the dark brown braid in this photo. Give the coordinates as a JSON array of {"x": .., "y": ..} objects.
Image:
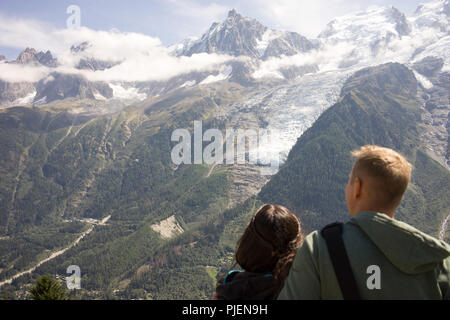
[
  {"x": 270, "y": 242},
  {"x": 285, "y": 252}
]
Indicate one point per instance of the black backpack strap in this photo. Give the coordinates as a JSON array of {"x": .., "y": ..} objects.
[{"x": 332, "y": 234}]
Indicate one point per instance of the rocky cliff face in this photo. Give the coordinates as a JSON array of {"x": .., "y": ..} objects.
[
  {"x": 16, "y": 92},
  {"x": 435, "y": 99},
  {"x": 61, "y": 86},
  {"x": 288, "y": 44},
  {"x": 31, "y": 56}
]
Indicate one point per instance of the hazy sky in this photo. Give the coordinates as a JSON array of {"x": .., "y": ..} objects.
[{"x": 174, "y": 20}]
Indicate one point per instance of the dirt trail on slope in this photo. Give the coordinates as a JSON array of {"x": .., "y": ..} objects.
[
  {"x": 62, "y": 139},
  {"x": 444, "y": 227},
  {"x": 20, "y": 169}
]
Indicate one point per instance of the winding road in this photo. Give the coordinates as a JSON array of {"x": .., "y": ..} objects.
[{"x": 55, "y": 254}]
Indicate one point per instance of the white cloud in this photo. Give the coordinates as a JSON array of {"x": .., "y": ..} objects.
[
  {"x": 326, "y": 58},
  {"x": 22, "y": 33},
  {"x": 224, "y": 74},
  {"x": 306, "y": 17},
  {"x": 110, "y": 45},
  {"x": 156, "y": 66},
  {"x": 139, "y": 57},
  {"x": 18, "y": 73}
]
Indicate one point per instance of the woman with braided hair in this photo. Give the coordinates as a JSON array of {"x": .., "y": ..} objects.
[{"x": 265, "y": 252}]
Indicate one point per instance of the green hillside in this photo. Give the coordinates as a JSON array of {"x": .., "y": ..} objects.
[{"x": 59, "y": 169}]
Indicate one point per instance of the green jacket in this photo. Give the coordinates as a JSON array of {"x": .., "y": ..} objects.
[{"x": 412, "y": 264}]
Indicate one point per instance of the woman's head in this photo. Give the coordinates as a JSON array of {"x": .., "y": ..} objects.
[{"x": 270, "y": 241}]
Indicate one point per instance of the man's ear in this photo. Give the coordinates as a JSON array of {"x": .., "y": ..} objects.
[{"x": 357, "y": 187}]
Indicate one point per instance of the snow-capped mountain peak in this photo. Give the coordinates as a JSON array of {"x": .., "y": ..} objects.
[
  {"x": 235, "y": 36},
  {"x": 374, "y": 23},
  {"x": 242, "y": 36}
]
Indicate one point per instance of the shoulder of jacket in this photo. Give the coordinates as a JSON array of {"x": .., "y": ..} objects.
[
  {"x": 313, "y": 241},
  {"x": 446, "y": 264}
]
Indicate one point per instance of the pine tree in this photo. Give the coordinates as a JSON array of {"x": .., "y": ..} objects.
[{"x": 47, "y": 288}]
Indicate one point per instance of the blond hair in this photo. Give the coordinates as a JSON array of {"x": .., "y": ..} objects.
[{"x": 386, "y": 172}]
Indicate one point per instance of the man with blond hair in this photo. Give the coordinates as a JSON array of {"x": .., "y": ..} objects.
[{"x": 372, "y": 256}]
